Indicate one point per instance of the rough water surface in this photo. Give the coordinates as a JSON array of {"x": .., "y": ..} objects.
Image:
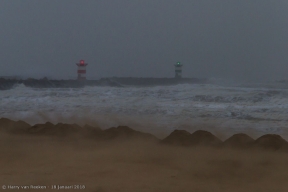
[{"x": 157, "y": 109}]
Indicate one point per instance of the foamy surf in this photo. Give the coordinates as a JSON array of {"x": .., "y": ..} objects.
[{"x": 183, "y": 106}]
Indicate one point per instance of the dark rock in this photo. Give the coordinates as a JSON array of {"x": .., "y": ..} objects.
[
  {"x": 59, "y": 129},
  {"x": 271, "y": 142},
  {"x": 93, "y": 132},
  {"x": 11, "y": 126},
  {"x": 47, "y": 128},
  {"x": 5, "y": 123},
  {"x": 67, "y": 129},
  {"x": 124, "y": 132},
  {"x": 239, "y": 140},
  {"x": 178, "y": 137},
  {"x": 205, "y": 138}
]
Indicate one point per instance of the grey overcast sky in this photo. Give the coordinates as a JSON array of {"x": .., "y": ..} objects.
[{"x": 232, "y": 39}]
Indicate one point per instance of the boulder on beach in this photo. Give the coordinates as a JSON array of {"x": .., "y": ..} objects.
[
  {"x": 204, "y": 138},
  {"x": 178, "y": 137},
  {"x": 19, "y": 127},
  {"x": 239, "y": 140},
  {"x": 64, "y": 129},
  {"x": 93, "y": 132},
  {"x": 271, "y": 142},
  {"x": 42, "y": 129},
  {"x": 91, "y": 128},
  {"x": 11, "y": 126},
  {"x": 124, "y": 132},
  {"x": 184, "y": 138},
  {"x": 4, "y": 122},
  {"x": 60, "y": 129}
]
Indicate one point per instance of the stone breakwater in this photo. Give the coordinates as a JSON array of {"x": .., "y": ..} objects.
[
  {"x": 271, "y": 142},
  {"x": 6, "y": 84}
]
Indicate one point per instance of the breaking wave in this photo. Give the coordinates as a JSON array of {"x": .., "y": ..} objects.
[{"x": 182, "y": 106}]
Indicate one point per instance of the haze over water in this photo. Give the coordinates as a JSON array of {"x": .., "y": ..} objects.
[
  {"x": 236, "y": 40},
  {"x": 158, "y": 109}
]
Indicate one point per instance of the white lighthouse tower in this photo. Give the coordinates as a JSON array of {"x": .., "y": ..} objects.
[
  {"x": 81, "y": 70},
  {"x": 178, "y": 70}
]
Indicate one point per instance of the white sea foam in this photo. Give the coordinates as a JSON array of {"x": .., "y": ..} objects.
[{"x": 161, "y": 107}]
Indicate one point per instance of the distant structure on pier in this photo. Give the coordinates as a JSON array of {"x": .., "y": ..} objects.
[
  {"x": 81, "y": 72},
  {"x": 178, "y": 70},
  {"x": 11, "y": 77}
]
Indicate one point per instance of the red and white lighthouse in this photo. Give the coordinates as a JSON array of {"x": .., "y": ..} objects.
[{"x": 81, "y": 70}]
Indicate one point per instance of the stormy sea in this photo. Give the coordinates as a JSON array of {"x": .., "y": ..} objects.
[
  {"x": 117, "y": 136},
  {"x": 249, "y": 108}
]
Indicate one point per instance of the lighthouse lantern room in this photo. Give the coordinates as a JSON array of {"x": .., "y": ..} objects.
[
  {"x": 81, "y": 72},
  {"x": 178, "y": 70}
]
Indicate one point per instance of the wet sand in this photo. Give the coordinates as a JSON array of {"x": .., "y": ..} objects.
[{"x": 135, "y": 163}]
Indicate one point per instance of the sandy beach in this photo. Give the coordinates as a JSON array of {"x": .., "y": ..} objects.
[{"x": 127, "y": 160}]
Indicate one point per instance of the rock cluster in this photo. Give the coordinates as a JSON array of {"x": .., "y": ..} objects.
[
  {"x": 239, "y": 141},
  {"x": 177, "y": 137},
  {"x": 63, "y": 129}
]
